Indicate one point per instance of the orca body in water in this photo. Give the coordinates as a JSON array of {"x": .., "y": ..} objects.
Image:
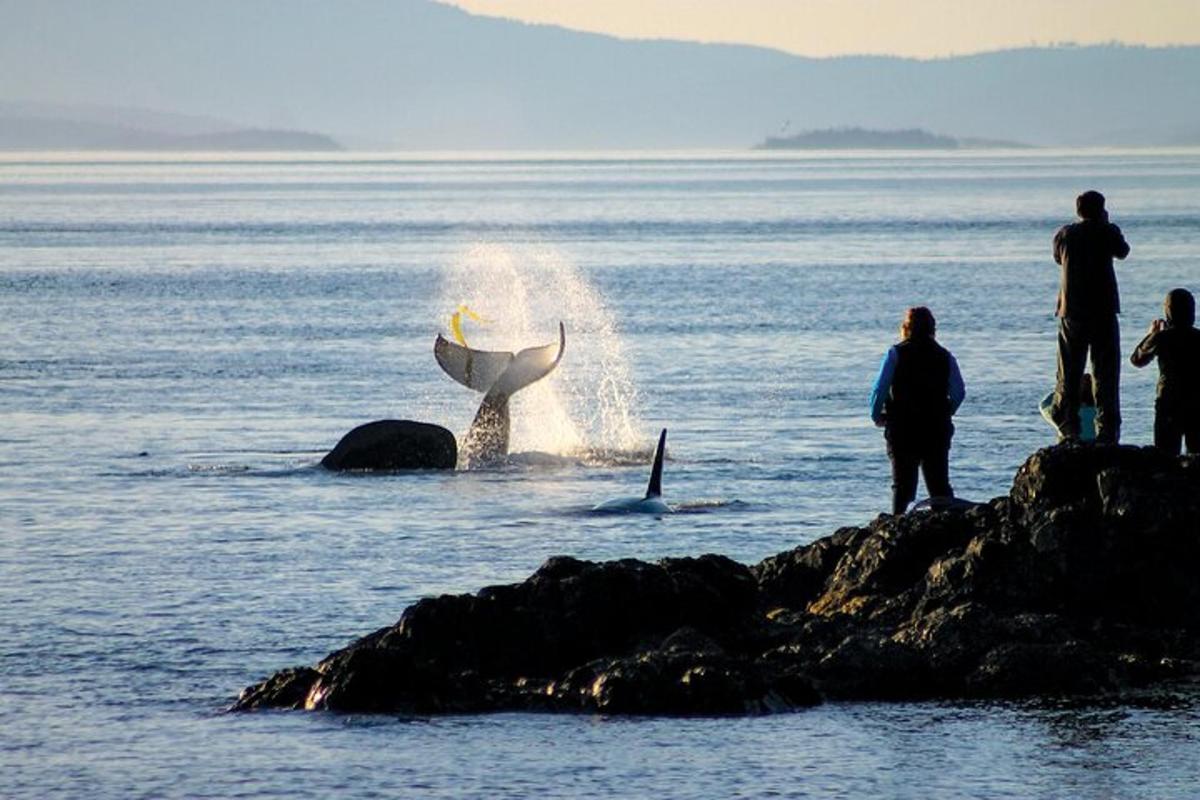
[
  {"x": 651, "y": 502},
  {"x": 499, "y": 376}
]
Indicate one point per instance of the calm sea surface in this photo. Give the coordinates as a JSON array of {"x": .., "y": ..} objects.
[{"x": 181, "y": 340}]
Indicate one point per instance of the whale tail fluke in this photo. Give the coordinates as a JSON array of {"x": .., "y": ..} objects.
[
  {"x": 655, "y": 487},
  {"x": 492, "y": 371},
  {"x": 475, "y": 369},
  {"x": 530, "y": 366},
  {"x": 499, "y": 375}
]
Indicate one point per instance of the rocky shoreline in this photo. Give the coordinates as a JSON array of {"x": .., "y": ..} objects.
[{"x": 1083, "y": 580}]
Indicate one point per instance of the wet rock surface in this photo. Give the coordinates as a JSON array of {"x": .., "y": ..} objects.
[
  {"x": 393, "y": 444},
  {"x": 1082, "y": 581}
]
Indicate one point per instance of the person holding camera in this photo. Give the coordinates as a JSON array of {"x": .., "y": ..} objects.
[
  {"x": 1087, "y": 308},
  {"x": 1175, "y": 342}
]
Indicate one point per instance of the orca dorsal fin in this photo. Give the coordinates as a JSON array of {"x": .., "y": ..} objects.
[{"x": 655, "y": 487}]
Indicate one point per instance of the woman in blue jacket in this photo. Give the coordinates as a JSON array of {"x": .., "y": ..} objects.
[{"x": 918, "y": 389}]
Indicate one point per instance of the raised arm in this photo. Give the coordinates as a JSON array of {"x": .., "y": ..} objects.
[
  {"x": 1147, "y": 348},
  {"x": 1120, "y": 246}
]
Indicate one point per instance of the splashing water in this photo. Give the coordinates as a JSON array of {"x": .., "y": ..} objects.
[{"x": 585, "y": 408}]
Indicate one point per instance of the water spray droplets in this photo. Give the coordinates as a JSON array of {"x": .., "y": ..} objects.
[{"x": 586, "y": 408}]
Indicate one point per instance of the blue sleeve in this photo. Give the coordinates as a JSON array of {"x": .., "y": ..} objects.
[
  {"x": 956, "y": 390},
  {"x": 883, "y": 384}
]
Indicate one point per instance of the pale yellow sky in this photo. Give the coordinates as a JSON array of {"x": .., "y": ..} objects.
[{"x": 918, "y": 28}]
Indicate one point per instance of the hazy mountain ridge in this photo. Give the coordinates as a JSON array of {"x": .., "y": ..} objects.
[
  {"x": 416, "y": 74},
  {"x": 40, "y": 133}
]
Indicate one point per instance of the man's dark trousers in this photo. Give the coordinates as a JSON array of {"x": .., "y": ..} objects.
[{"x": 1076, "y": 336}]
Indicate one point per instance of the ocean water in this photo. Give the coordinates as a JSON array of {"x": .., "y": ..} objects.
[{"x": 183, "y": 338}]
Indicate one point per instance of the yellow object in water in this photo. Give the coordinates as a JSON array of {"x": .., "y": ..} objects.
[{"x": 456, "y": 322}]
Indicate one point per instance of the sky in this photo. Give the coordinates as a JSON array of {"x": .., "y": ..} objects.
[{"x": 913, "y": 28}]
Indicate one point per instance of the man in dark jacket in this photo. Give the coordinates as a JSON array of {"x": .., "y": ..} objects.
[
  {"x": 1175, "y": 342},
  {"x": 1088, "y": 304}
]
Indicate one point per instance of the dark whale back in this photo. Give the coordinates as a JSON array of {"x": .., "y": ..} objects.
[{"x": 392, "y": 444}]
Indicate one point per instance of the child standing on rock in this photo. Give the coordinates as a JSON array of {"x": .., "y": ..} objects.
[{"x": 1175, "y": 342}]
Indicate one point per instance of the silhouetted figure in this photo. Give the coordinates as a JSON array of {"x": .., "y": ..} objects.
[
  {"x": 917, "y": 392},
  {"x": 1087, "y": 409},
  {"x": 1175, "y": 342},
  {"x": 1088, "y": 304}
]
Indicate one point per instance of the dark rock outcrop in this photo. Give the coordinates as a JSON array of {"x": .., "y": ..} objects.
[
  {"x": 1082, "y": 580},
  {"x": 394, "y": 444}
]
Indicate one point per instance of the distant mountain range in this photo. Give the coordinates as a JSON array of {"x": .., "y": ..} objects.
[
  {"x": 416, "y": 74},
  {"x": 862, "y": 139}
]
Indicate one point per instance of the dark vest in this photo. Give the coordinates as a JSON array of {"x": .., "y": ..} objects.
[{"x": 920, "y": 387}]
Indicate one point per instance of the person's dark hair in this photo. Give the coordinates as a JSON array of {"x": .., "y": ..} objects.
[
  {"x": 918, "y": 324},
  {"x": 1090, "y": 205},
  {"x": 1180, "y": 308}
]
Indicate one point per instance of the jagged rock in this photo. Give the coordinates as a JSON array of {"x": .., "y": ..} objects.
[
  {"x": 393, "y": 444},
  {"x": 287, "y": 688},
  {"x": 794, "y": 579},
  {"x": 679, "y": 683},
  {"x": 1082, "y": 580}
]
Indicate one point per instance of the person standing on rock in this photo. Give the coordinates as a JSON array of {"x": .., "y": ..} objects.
[
  {"x": 1087, "y": 308},
  {"x": 918, "y": 389},
  {"x": 1175, "y": 342}
]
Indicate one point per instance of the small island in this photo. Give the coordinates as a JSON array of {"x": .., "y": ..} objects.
[{"x": 866, "y": 139}]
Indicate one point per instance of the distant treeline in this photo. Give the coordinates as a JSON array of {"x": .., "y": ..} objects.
[{"x": 864, "y": 139}]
